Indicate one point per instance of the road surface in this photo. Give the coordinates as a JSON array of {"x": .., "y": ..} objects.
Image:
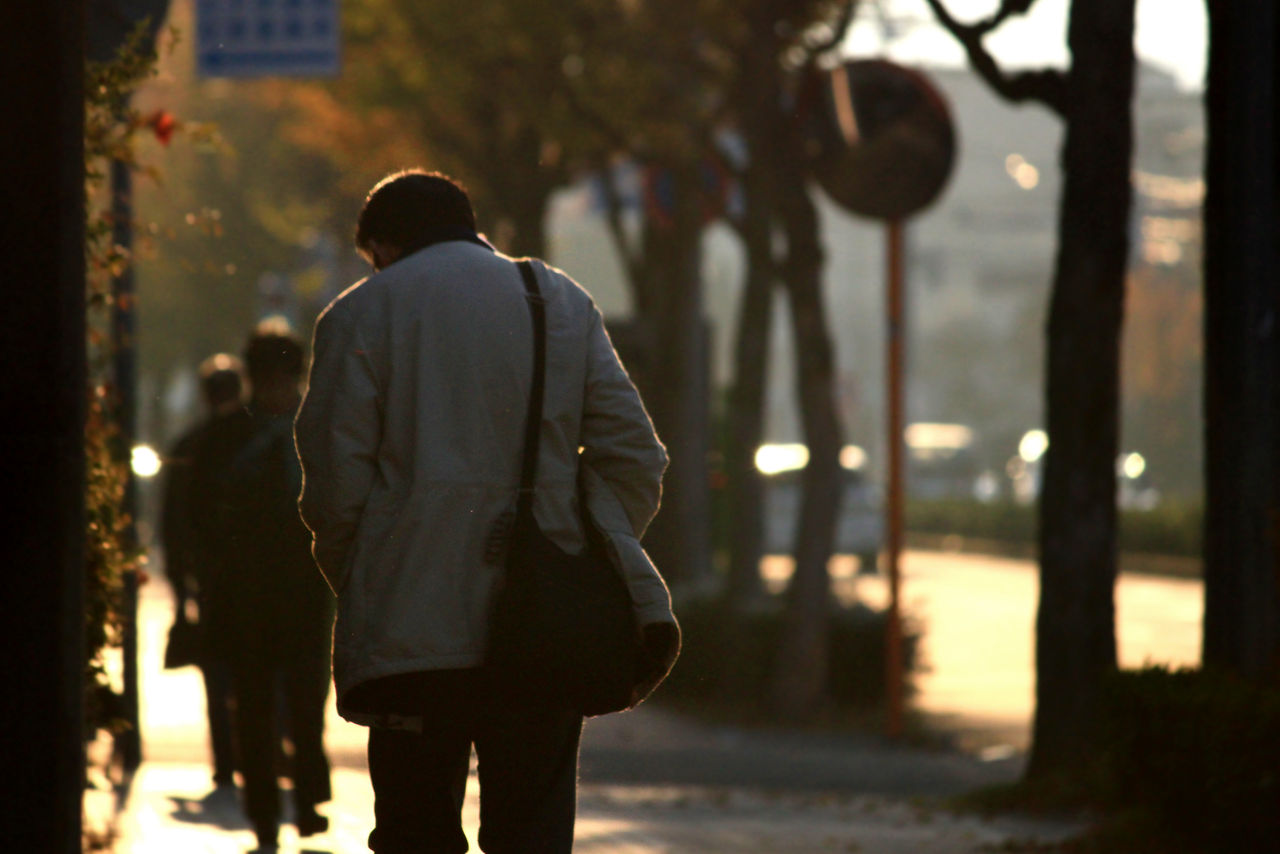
[{"x": 977, "y": 614}]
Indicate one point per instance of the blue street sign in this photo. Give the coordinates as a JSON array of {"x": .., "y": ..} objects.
[{"x": 261, "y": 38}]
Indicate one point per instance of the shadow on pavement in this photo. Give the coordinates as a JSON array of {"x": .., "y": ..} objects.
[{"x": 220, "y": 808}]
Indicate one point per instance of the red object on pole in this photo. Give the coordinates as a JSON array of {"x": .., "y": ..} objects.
[{"x": 897, "y": 346}]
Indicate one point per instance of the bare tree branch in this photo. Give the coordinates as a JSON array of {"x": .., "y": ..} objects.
[
  {"x": 1007, "y": 9},
  {"x": 1048, "y": 85},
  {"x": 839, "y": 29}
]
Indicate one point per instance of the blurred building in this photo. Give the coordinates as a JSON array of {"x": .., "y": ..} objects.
[{"x": 980, "y": 264}]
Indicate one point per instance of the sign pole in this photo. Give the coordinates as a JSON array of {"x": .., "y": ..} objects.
[
  {"x": 878, "y": 119},
  {"x": 897, "y": 429}
]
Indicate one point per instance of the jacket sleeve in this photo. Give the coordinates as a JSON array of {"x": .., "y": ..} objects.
[
  {"x": 618, "y": 440},
  {"x": 337, "y": 432}
]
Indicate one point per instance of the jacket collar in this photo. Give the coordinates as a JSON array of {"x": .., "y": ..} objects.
[{"x": 446, "y": 234}]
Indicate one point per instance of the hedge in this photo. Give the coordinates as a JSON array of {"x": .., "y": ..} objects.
[
  {"x": 1172, "y": 528},
  {"x": 728, "y": 656},
  {"x": 1199, "y": 751}
]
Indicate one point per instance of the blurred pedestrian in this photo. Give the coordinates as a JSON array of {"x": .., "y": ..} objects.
[
  {"x": 279, "y": 613},
  {"x": 411, "y": 436},
  {"x": 188, "y": 567}
]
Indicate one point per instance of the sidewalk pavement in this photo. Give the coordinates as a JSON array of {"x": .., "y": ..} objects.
[
  {"x": 653, "y": 782},
  {"x": 168, "y": 813}
]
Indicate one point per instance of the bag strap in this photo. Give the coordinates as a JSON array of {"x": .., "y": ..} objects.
[{"x": 533, "y": 420}]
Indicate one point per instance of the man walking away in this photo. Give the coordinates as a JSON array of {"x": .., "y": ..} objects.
[
  {"x": 186, "y": 564},
  {"x": 279, "y": 614},
  {"x": 410, "y": 436}
]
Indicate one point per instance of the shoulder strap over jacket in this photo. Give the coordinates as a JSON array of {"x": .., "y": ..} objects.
[{"x": 533, "y": 420}]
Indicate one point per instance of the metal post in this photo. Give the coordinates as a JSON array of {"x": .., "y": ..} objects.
[
  {"x": 896, "y": 345},
  {"x": 123, "y": 325}
]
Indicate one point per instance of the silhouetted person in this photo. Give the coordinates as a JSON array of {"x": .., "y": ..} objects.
[
  {"x": 279, "y": 614},
  {"x": 411, "y": 436},
  {"x": 187, "y": 565}
]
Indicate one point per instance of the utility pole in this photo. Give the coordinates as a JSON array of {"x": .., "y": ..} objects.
[{"x": 42, "y": 345}]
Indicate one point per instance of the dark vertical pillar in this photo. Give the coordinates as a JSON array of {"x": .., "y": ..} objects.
[
  {"x": 125, "y": 346},
  {"x": 1242, "y": 276},
  {"x": 42, "y": 350}
]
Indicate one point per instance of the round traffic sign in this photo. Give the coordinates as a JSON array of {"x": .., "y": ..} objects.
[{"x": 880, "y": 138}]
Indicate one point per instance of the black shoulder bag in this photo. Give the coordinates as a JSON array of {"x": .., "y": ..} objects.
[{"x": 562, "y": 629}]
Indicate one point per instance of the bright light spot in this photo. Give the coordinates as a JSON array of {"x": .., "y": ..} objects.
[
  {"x": 1015, "y": 468},
  {"x": 925, "y": 435},
  {"x": 1133, "y": 465},
  {"x": 986, "y": 487},
  {"x": 852, "y": 457},
  {"x": 1171, "y": 228},
  {"x": 1033, "y": 445},
  {"x": 1022, "y": 172},
  {"x": 774, "y": 459},
  {"x": 145, "y": 461},
  {"x": 1166, "y": 252}
]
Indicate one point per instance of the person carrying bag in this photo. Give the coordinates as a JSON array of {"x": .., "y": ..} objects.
[
  {"x": 562, "y": 625},
  {"x": 479, "y": 521}
]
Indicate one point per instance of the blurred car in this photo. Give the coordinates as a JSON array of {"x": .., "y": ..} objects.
[{"x": 860, "y": 524}]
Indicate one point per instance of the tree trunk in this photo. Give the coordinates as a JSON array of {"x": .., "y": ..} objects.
[
  {"x": 519, "y": 186},
  {"x": 1075, "y": 626},
  {"x": 760, "y": 85},
  {"x": 527, "y": 218},
  {"x": 43, "y": 398},
  {"x": 800, "y": 675},
  {"x": 746, "y": 405},
  {"x": 1242, "y": 424},
  {"x": 679, "y": 539}
]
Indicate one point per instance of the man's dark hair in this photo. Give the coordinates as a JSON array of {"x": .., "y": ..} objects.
[
  {"x": 272, "y": 349},
  {"x": 220, "y": 379},
  {"x": 406, "y": 209}
]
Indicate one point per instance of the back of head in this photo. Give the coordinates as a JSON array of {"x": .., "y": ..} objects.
[
  {"x": 220, "y": 379},
  {"x": 409, "y": 209},
  {"x": 273, "y": 351}
]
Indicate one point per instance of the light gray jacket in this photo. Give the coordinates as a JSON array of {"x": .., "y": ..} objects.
[{"x": 410, "y": 437}]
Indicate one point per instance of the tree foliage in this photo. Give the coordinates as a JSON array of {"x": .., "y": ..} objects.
[
  {"x": 111, "y": 128},
  {"x": 237, "y": 205},
  {"x": 117, "y": 132}
]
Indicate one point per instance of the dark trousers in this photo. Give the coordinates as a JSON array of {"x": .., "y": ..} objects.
[
  {"x": 217, "y": 692},
  {"x": 527, "y": 764},
  {"x": 305, "y": 686}
]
